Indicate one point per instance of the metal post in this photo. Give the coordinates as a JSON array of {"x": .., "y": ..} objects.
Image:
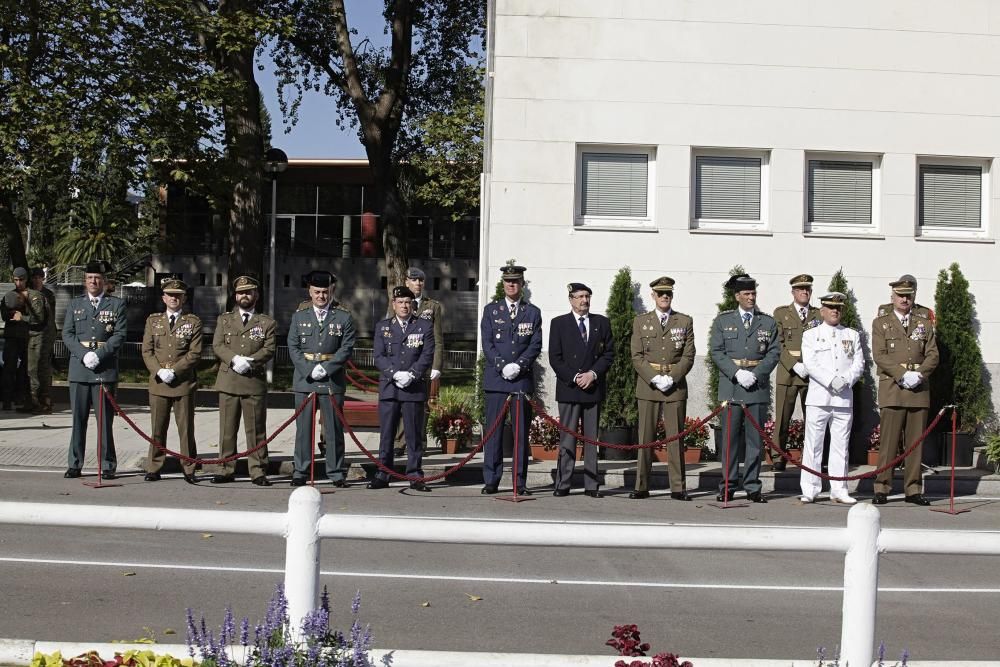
[
  {"x": 272, "y": 267},
  {"x": 302, "y": 555},
  {"x": 857, "y": 631}
]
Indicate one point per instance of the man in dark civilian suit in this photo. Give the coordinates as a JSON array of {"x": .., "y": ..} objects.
[
  {"x": 580, "y": 352},
  {"x": 404, "y": 352},
  {"x": 511, "y": 331}
]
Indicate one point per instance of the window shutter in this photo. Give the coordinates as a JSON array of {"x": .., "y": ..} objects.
[
  {"x": 840, "y": 192},
  {"x": 727, "y": 188},
  {"x": 950, "y": 196},
  {"x": 615, "y": 184}
]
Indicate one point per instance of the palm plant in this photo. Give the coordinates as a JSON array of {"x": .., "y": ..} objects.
[{"x": 97, "y": 231}]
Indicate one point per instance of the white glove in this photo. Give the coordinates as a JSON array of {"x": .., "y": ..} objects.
[
  {"x": 166, "y": 375},
  {"x": 318, "y": 372},
  {"x": 241, "y": 365},
  {"x": 800, "y": 370},
  {"x": 837, "y": 384},
  {"x": 407, "y": 379},
  {"x": 656, "y": 381},
  {"x": 745, "y": 378},
  {"x": 90, "y": 360},
  {"x": 666, "y": 383},
  {"x": 511, "y": 371},
  {"x": 912, "y": 379},
  {"x": 435, "y": 375}
]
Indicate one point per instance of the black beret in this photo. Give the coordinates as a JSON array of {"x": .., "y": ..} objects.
[
  {"x": 579, "y": 287},
  {"x": 320, "y": 279},
  {"x": 402, "y": 293},
  {"x": 740, "y": 283},
  {"x": 98, "y": 266}
]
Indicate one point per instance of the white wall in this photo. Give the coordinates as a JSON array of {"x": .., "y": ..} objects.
[{"x": 896, "y": 78}]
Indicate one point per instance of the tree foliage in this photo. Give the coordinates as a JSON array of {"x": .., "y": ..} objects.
[
  {"x": 959, "y": 376},
  {"x": 728, "y": 302},
  {"x": 620, "y": 409},
  {"x": 100, "y": 230}
]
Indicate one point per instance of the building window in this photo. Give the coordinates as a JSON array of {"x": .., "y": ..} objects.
[
  {"x": 951, "y": 196},
  {"x": 614, "y": 185},
  {"x": 728, "y": 189},
  {"x": 842, "y": 193}
]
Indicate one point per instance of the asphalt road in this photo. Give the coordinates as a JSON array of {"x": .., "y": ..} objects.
[{"x": 104, "y": 585}]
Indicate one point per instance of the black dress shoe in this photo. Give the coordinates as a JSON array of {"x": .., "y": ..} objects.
[
  {"x": 260, "y": 481},
  {"x": 71, "y": 473},
  {"x": 880, "y": 499},
  {"x": 724, "y": 497},
  {"x": 109, "y": 474},
  {"x": 917, "y": 499},
  {"x": 340, "y": 483},
  {"x": 377, "y": 483},
  {"x": 593, "y": 493},
  {"x": 223, "y": 479},
  {"x": 638, "y": 495},
  {"x": 420, "y": 486},
  {"x": 523, "y": 492},
  {"x": 778, "y": 466},
  {"x": 190, "y": 478},
  {"x": 680, "y": 495},
  {"x": 489, "y": 490},
  {"x": 152, "y": 477},
  {"x": 298, "y": 481},
  {"x": 560, "y": 493},
  {"x": 755, "y": 497}
]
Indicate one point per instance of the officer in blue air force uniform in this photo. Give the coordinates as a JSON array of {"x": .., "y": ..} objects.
[
  {"x": 511, "y": 331},
  {"x": 744, "y": 347},
  {"x": 320, "y": 341},
  {"x": 93, "y": 332},
  {"x": 404, "y": 352}
]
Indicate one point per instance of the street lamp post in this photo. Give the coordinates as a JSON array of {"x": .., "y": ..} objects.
[{"x": 275, "y": 162}]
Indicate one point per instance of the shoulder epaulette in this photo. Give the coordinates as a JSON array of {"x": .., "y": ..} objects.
[{"x": 726, "y": 312}]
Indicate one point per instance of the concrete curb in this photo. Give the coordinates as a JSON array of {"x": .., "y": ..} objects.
[{"x": 18, "y": 652}]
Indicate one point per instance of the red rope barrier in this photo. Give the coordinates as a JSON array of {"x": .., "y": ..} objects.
[
  {"x": 357, "y": 385},
  {"x": 847, "y": 478},
  {"x": 414, "y": 478},
  {"x": 193, "y": 459},
  {"x": 540, "y": 411}
]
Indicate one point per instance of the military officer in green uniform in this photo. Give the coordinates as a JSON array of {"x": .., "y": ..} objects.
[
  {"x": 171, "y": 349},
  {"x": 21, "y": 309},
  {"x": 663, "y": 353},
  {"x": 792, "y": 379},
  {"x": 905, "y": 352},
  {"x": 425, "y": 308},
  {"x": 918, "y": 310},
  {"x": 40, "y": 344},
  {"x": 244, "y": 342},
  {"x": 320, "y": 341},
  {"x": 744, "y": 347},
  {"x": 93, "y": 331}
]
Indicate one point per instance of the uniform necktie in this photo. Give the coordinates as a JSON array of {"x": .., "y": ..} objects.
[
  {"x": 246, "y": 316},
  {"x": 513, "y": 311},
  {"x": 404, "y": 324},
  {"x": 321, "y": 315},
  {"x": 906, "y": 323},
  {"x": 663, "y": 320},
  {"x": 583, "y": 330},
  {"x": 93, "y": 302},
  {"x": 802, "y": 315},
  {"x": 173, "y": 321},
  {"x": 746, "y": 321}
]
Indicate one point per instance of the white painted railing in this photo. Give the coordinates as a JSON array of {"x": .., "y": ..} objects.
[{"x": 304, "y": 526}]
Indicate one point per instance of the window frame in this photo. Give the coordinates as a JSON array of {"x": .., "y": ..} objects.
[
  {"x": 985, "y": 192},
  {"x": 874, "y": 228},
  {"x": 581, "y": 221},
  {"x": 731, "y": 224}
]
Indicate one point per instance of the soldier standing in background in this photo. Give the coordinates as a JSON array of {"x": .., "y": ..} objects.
[
  {"x": 792, "y": 378},
  {"x": 21, "y": 309},
  {"x": 171, "y": 350},
  {"x": 40, "y": 346}
]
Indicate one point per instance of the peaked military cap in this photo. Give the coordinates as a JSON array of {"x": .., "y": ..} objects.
[
  {"x": 20, "y": 272},
  {"x": 245, "y": 284},
  {"x": 320, "y": 279},
  {"x": 402, "y": 293},
  {"x": 578, "y": 287},
  {"x": 740, "y": 283},
  {"x": 512, "y": 271},
  {"x": 663, "y": 285},
  {"x": 801, "y": 280},
  {"x": 833, "y": 299},
  {"x": 173, "y": 286},
  {"x": 906, "y": 285},
  {"x": 98, "y": 266},
  {"x": 413, "y": 273}
]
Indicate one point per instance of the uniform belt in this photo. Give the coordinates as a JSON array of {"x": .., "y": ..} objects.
[
  {"x": 910, "y": 367},
  {"x": 92, "y": 344},
  {"x": 746, "y": 363},
  {"x": 795, "y": 353},
  {"x": 316, "y": 356},
  {"x": 663, "y": 368}
]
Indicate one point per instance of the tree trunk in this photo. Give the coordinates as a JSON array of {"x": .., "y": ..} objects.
[
  {"x": 12, "y": 232},
  {"x": 393, "y": 217}
]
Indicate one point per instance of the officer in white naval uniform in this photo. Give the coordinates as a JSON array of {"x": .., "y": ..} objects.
[{"x": 832, "y": 354}]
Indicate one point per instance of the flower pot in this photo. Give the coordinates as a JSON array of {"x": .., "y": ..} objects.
[
  {"x": 452, "y": 445},
  {"x": 618, "y": 436},
  {"x": 873, "y": 457},
  {"x": 794, "y": 454},
  {"x": 964, "y": 445},
  {"x": 660, "y": 454},
  {"x": 691, "y": 455},
  {"x": 551, "y": 453}
]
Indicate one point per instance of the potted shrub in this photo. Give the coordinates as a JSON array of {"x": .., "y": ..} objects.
[
  {"x": 959, "y": 377},
  {"x": 796, "y": 438},
  {"x": 543, "y": 439},
  {"x": 620, "y": 413},
  {"x": 450, "y": 420},
  {"x": 693, "y": 444},
  {"x": 874, "y": 441},
  {"x": 991, "y": 440}
]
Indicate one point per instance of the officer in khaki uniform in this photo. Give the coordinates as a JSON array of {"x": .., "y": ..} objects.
[
  {"x": 919, "y": 310},
  {"x": 662, "y": 354},
  {"x": 244, "y": 342},
  {"x": 905, "y": 352},
  {"x": 171, "y": 349},
  {"x": 792, "y": 379}
]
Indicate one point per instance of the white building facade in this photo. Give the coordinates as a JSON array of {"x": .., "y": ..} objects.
[{"x": 682, "y": 138}]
